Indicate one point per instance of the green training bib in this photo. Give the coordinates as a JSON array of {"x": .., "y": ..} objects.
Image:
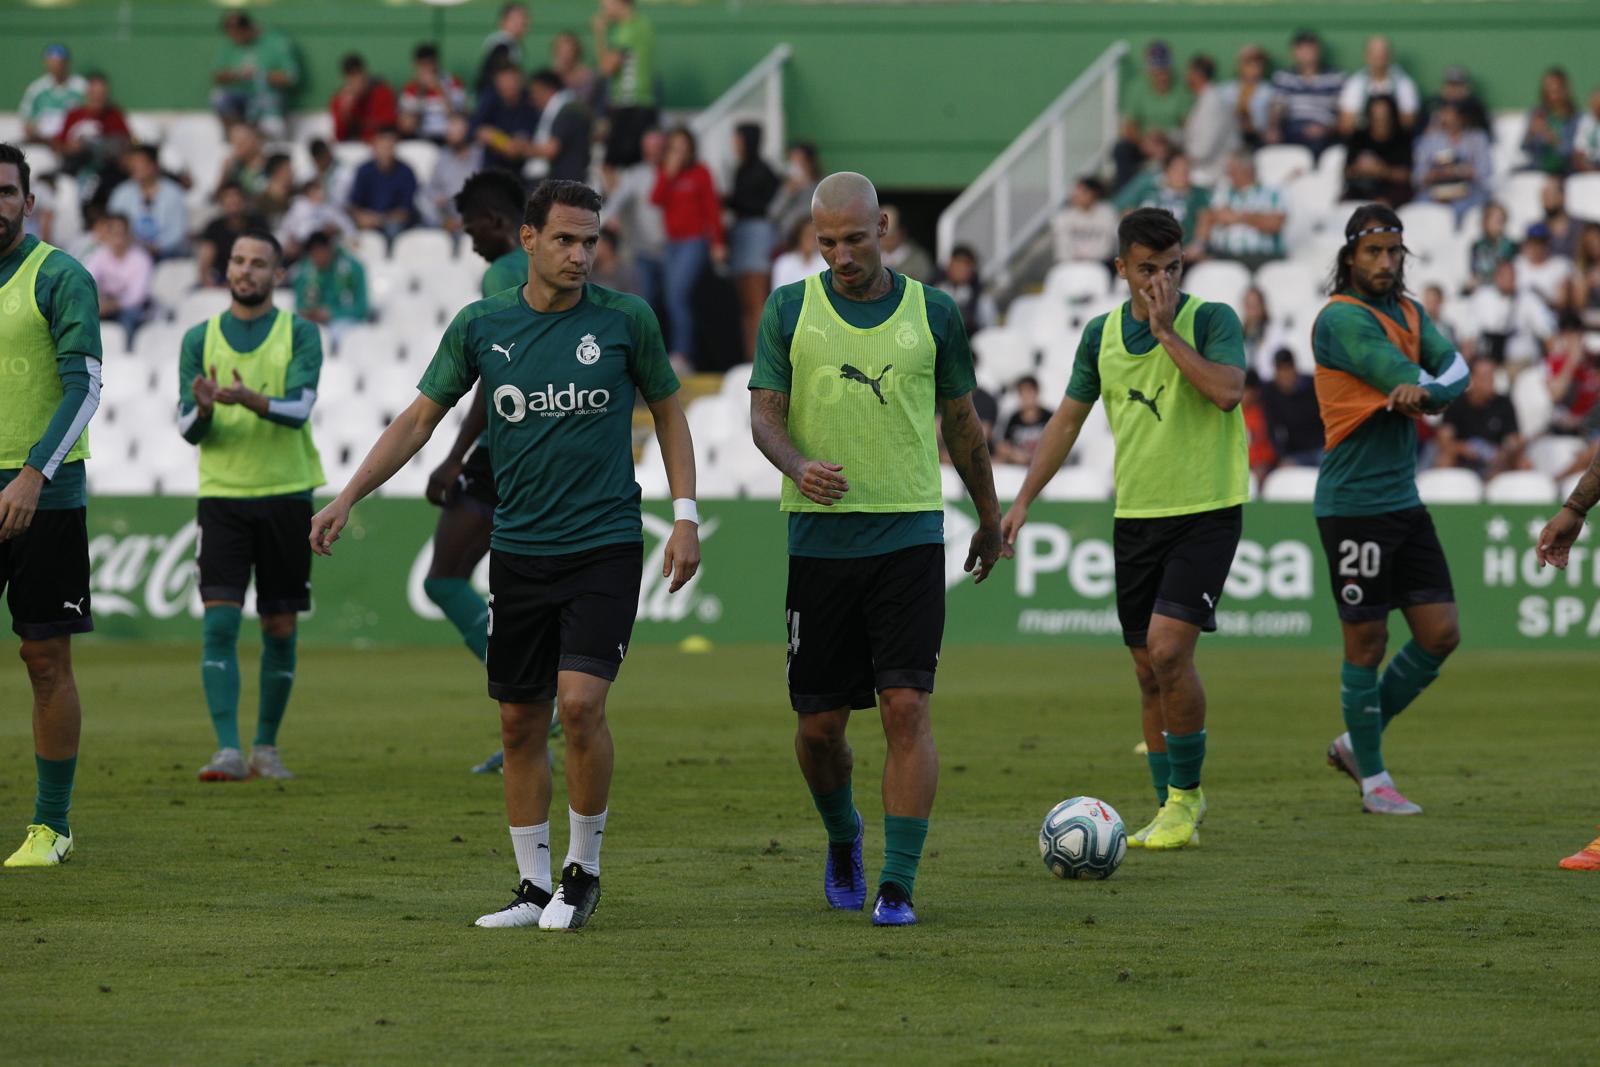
[
  {"x": 30, "y": 385},
  {"x": 245, "y": 455}
]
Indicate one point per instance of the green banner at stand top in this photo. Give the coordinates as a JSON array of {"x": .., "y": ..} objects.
[{"x": 1060, "y": 588}]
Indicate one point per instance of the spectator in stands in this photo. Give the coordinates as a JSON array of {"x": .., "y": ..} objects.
[
  {"x": 505, "y": 120},
  {"x": 801, "y": 259},
  {"x": 1173, "y": 190},
  {"x": 1263, "y": 336},
  {"x": 503, "y": 46},
  {"x": 1306, "y": 98},
  {"x": 986, "y": 407},
  {"x": 246, "y": 161},
  {"x": 559, "y": 147},
  {"x": 216, "y": 240},
  {"x": 632, "y": 214},
  {"x": 383, "y": 196},
  {"x": 1584, "y": 297},
  {"x": 962, "y": 280},
  {"x": 431, "y": 96},
  {"x": 625, "y": 47},
  {"x": 751, "y": 243},
  {"x": 1243, "y": 219},
  {"x": 50, "y": 96},
  {"x": 1573, "y": 375},
  {"x": 1562, "y": 226},
  {"x": 901, "y": 253},
  {"x": 610, "y": 269},
  {"x": 1381, "y": 77},
  {"x": 363, "y": 105},
  {"x": 1453, "y": 164},
  {"x": 803, "y": 171},
  {"x": 1492, "y": 248},
  {"x": 330, "y": 286},
  {"x": 1480, "y": 431},
  {"x": 1211, "y": 129},
  {"x": 688, "y": 200},
  {"x": 1154, "y": 102},
  {"x": 334, "y": 176},
  {"x": 1509, "y": 325},
  {"x": 1259, "y": 438},
  {"x": 311, "y": 212},
  {"x": 1552, "y": 125},
  {"x": 279, "y": 191},
  {"x": 254, "y": 72},
  {"x": 1378, "y": 157},
  {"x": 1020, "y": 438},
  {"x": 94, "y": 136},
  {"x": 153, "y": 204},
  {"x": 1086, "y": 229},
  {"x": 458, "y": 160},
  {"x": 1586, "y": 137},
  {"x": 41, "y": 221},
  {"x": 1290, "y": 403},
  {"x": 1249, "y": 96},
  {"x": 1457, "y": 89},
  {"x": 1433, "y": 307},
  {"x": 1542, "y": 272},
  {"x": 121, "y": 271},
  {"x": 566, "y": 59}
]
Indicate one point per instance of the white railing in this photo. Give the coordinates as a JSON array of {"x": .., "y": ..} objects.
[
  {"x": 1011, "y": 202},
  {"x": 757, "y": 97}
]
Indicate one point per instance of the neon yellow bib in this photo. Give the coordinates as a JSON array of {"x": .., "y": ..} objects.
[
  {"x": 865, "y": 399},
  {"x": 1177, "y": 452},
  {"x": 30, "y": 385},
  {"x": 244, "y": 455}
]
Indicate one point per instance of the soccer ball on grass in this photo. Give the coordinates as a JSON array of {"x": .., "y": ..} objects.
[{"x": 1083, "y": 838}]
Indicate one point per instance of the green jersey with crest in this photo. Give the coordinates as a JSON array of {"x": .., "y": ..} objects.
[{"x": 561, "y": 388}]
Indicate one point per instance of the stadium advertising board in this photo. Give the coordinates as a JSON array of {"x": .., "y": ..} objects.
[{"x": 1059, "y": 589}]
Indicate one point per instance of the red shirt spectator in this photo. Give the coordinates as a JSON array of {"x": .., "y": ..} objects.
[
  {"x": 430, "y": 97},
  {"x": 689, "y": 204},
  {"x": 1573, "y": 378},
  {"x": 95, "y": 120},
  {"x": 363, "y": 105}
]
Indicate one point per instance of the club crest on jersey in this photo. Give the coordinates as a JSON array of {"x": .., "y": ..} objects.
[
  {"x": 588, "y": 350},
  {"x": 1351, "y": 594},
  {"x": 13, "y": 303},
  {"x": 906, "y": 336}
]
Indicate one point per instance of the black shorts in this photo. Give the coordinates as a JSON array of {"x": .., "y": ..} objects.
[
  {"x": 860, "y": 626},
  {"x": 559, "y": 613},
  {"x": 1174, "y": 566},
  {"x": 1381, "y": 562},
  {"x": 271, "y": 535},
  {"x": 475, "y": 484},
  {"x": 45, "y": 575},
  {"x": 628, "y": 127}
]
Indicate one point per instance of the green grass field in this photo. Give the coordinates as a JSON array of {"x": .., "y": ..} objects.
[{"x": 326, "y": 920}]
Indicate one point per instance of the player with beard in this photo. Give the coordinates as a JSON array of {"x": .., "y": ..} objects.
[
  {"x": 49, "y": 389},
  {"x": 247, "y": 381}
]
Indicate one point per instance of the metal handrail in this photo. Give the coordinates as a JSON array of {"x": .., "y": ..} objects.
[
  {"x": 1011, "y": 237},
  {"x": 724, "y": 113}
]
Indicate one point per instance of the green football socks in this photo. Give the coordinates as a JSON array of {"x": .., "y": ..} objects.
[
  {"x": 1363, "y": 718},
  {"x": 53, "y": 797},
  {"x": 902, "y": 850},
  {"x": 1160, "y": 773},
  {"x": 464, "y": 608},
  {"x": 219, "y": 671},
  {"x": 1185, "y": 754},
  {"x": 277, "y": 679},
  {"x": 1411, "y": 671},
  {"x": 838, "y": 811}
]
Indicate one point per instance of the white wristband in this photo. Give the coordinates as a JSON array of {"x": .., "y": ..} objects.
[{"x": 684, "y": 510}]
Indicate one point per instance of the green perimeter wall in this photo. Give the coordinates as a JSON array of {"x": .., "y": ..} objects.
[{"x": 920, "y": 96}]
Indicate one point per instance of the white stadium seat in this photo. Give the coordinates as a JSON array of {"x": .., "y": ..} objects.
[
  {"x": 1218, "y": 280},
  {"x": 173, "y": 280},
  {"x": 1583, "y": 196},
  {"x": 1078, "y": 483},
  {"x": 1508, "y": 130},
  {"x": 1004, "y": 355},
  {"x": 1556, "y": 453},
  {"x": 1427, "y": 225},
  {"x": 1530, "y": 395},
  {"x": 1075, "y": 281},
  {"x": 113, "y": 338},
  {"x": 201, "y": 304},
  {"x": 1008, "y": 479},
  {"x": 1278, "y": 163},
  {"x": 1294, "y": 485},
  {"x": 421, "y": 156},
  {"x": 1450, "y": 485},
  {"x": 1522, "y": 194},
  {"x": 1521, "y": 487},
  {"x": 1288, "y": 285},
  {"x": 427, "y": 249}
]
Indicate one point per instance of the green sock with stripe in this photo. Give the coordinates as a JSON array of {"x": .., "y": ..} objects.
[
  {"x": 1363, "y": 718},
  {"x": 902, "y": 850},
  {"x": 53, "y": 797},
  {"x": 464, "y": 608},
  {"x": 277, "y": 679},
  {"x": 1411, "y": 671},
  {"x": 1160, "y": 773},
  {"x": 219, "y": 671},
  {"x": 838, "y": 811}
]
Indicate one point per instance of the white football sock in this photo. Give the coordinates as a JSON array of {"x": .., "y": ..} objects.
[
  {"x": 1372, "y": 782},
  {"x": 583, "y": 846},
  {"x": 532, "y": 846}
]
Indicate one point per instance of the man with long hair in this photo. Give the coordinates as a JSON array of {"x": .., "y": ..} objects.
[{"x": 1381, "y": 365}]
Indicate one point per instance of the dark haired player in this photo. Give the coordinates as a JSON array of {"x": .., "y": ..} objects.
[
  {"x": 561, "y": 360},
  {"x": 1381, "y": 365},
  {"x": 1171, "y": 370}
]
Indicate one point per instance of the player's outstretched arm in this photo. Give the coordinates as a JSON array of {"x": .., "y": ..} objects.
[
  {"x": 681, "y": 558},
  {"x": 1055, "y": 445},
  {"x": 445, "y": 474},
  {"x": 818, "y": 480},
  {"x": 403, "y": 439},
  {"x": 965, "y": 440},
  {"x": 1555, "y": 541}
]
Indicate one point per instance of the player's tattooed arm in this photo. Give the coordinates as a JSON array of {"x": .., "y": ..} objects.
[
  {"x": 1555, "y": 541},
  {"x": 969, "y": 454},
  {"x": 818, "y": 480},
  {"x": 1587, "y": 492}
]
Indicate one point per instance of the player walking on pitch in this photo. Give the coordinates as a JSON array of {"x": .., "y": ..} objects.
[
  {"x": 49, "y": 390},
  {"x": 562, "y": 360},
  {"x": 1555, "y": 548},
  {"x": 1381, "y": 365},
  {"x": 851, "y": 367},
  {"x": 247, "y": 381},
  {"x": 1171, "y": 370}
]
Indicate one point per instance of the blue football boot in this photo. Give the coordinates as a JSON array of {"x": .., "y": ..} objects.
[
  {"x": 893, "y": 907},
  {"x": 843, "y": 880}
]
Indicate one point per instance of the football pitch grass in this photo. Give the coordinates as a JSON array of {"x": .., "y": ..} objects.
[{"x": 326, "y": 920}]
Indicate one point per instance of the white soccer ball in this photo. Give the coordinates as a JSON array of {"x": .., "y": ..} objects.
[{"x": 1083, "y": 838}]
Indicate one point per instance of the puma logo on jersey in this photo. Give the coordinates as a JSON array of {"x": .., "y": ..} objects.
[
  {"x": 1210, "y": 601},
  {"x": 78, "y": 607},
  {"x": 1148, "y": 401},
  {"x": 854, "y": 375},
  {"x": 505, "y": 351},
  {"x": 818, "y": 330}
]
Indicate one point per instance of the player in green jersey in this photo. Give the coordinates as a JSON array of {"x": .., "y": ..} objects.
[
  {"x": 852, "y": 367},
  {"x": 49, "y": 390},
  {"x": 1381, "y": 365},
  {"x": 1171, "y": 370},
  {"x": 562, "y": 361},
  {"x": 247, "y": 381}
]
